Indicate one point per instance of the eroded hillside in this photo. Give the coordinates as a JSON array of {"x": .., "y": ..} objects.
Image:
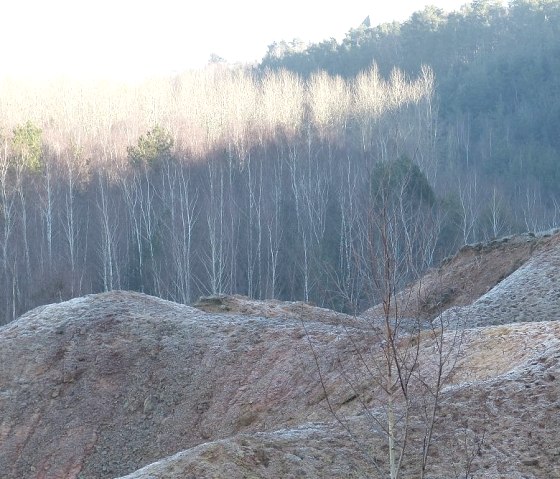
[
  {"x": 105, "y": 385},
  {"x": 521, "y": 268}
]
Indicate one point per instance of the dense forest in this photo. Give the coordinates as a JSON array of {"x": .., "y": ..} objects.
[
  {"x": 286, "y": 180},
  {"x": 497, "y": 90}
]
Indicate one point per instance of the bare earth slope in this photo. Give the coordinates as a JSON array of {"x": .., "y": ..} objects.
[
  {"x": 101, "y": 385},
  {"x": 513, "y": 404},
  {"x": 476, "y": 270},
  {"x": 105, "y": 385}
]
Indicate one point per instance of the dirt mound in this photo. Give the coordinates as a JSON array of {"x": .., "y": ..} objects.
[
  {"x": 272, "y": 308},
  {"x": 101, "y": 385},
  {"x": 313, "y": 450},
  {"x": 499, "y": 419},
  {"x": 109, "y": 384},
  {"x": 508, "y": 388},
  {"x": 483, "y": 271}
]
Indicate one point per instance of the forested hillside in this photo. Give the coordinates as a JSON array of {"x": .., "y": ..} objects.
[
  {"x": 498, "y": 97},
  {"x": 292, "y": 180},
  {"x": 217, "y": 181}
]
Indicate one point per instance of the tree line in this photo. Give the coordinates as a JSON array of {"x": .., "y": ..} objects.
[
  {"x": 219, "y": 181},
  {"x": 498, "y": 109},
  {"x": 268, "y": 182}
]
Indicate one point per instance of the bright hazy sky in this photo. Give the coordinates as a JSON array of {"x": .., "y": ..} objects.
[{"x": 126, "y": 38}]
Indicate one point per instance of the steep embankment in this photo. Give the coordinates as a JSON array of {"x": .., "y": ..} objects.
[
  {"x": 103, "y": 385},
  {"x": 529, "y": 293},
  {"x": 512, "y": 273}
]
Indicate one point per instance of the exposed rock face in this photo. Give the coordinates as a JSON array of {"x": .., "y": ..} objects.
[{"x": 105, "y": 385}]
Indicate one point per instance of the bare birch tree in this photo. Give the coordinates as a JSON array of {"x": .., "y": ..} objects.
[{"x": 408, "y": 370}]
